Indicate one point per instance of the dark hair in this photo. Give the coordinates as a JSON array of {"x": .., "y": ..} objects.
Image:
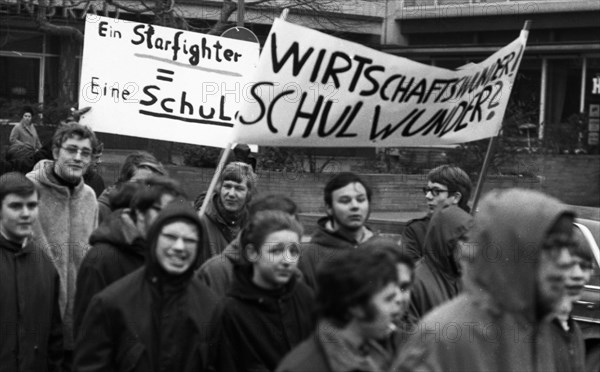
[
  {"x": 15, "y": 183},
  {"x": 152, "y": 189},
  {"x": 273, "y": 202},
  {"x": 560, "y": 233},
  {"x": 341, "y": 180},
  {"x": 352, "y": 279},
  {"x": 392, "y": 249},
  {"x": 262, "y": 224},
  {"x": 26, "y": 109},
  {"x": 238, "y": 172},
  {"x": 66, "y": 131},
  {"x": 123, "y": 194},
  {"x": 137, "y": 160},
  {"x": 581, "y": 248},
  {"x": 456, "y": 180}
]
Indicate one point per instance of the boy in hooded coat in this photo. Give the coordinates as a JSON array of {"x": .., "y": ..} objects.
[
  {"x": 513, "y": 283},
  {"x": 437, "y": 275},
  {"x": 152, "y": 319}
]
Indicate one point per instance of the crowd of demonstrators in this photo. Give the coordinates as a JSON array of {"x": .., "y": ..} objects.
[
  {"x": 157, "y": 318},
  {"x": 119, "y": 244},
  {"x": 217, "y": 272},
  {"x": 154, "y": 286},
  {"x": 268, "y": 310},
  {"x": 136, "y": 166},
  {"x": 347, "y": 201},
  {"x": 446, "y": 185},
  {"x": 68, "y": 213},
  {"x": 31, "y": 338},
  {"x": 227, "y": 210},
  {"x": 568, "y": 345},
  {"x": 438, "y": 273}
]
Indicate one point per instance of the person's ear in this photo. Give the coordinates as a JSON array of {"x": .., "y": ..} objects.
[
  {"x": 252, "y": 253},
  {"x": 329, "y": 210},
  {"x": 457, "y": 197},
  {"x": 55, "y": 151}
]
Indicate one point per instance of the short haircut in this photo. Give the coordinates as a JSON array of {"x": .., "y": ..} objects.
[
  {"x": 66, "y": 131},
  {"x": 26, "y": 109},
  {"x": 15, "y": 183},
  {"x": 238, "y": 172},
  {"x": 582, "y": 248},
  {"x": 456, "y": 180},
  {"x": 152, "y": 189},
  {"x": 264, "y": 223},
  {"x": 273, "y": 202},
  {"x": 137, "y": 160},
  {"x": 342, "y": 180},
  {"x": 350, "y": 280}
]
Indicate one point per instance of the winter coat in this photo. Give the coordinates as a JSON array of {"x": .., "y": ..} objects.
[
  {"x": 324, "y": 245},
  {"x": 437, "y": 275},
  {"x": 568, "y": 347},
  {"x": 65, "y": 222},
  {"x": 494, "y": 325},
  {"x": 95, "y": 181},
  {"x": 257, "y": 327},
  {"x": 217, "y": 272},
  {"x": 309, "y": 356},
  {"x": 150, "y": 320},
  {"x": 219, "y": 231},
  {"x": 104, "y": 208},
  {"x": 31, "y": 334},
  {"x": 25, "y": 136},
  {"x": 117, "y": 250},
  {"x": 413, "y": 237}
]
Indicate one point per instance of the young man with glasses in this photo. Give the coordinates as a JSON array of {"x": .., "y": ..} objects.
[
  {"x": 119, "y": 243},
  {"x": 68, "y": 212},
  {"x": 447, "y": 185}
]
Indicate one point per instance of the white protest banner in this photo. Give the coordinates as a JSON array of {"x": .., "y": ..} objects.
[
  {"x": 312, "y": 89},
  {"x": 162, "y": 83}
]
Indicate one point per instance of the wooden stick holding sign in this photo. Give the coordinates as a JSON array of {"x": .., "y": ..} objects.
[
  {"x": 491, "y": 145},
  {"x": 224, "y": 156}
]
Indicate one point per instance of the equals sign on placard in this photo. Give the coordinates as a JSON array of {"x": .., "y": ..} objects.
[{"x": 169, "y": 74}]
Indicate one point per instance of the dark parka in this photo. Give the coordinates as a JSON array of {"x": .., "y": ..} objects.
[
  {"x": 413, "y": 237},
  {"x": 568, "y": 346},
  {"x": 324, "y": 245},
  {"x": 150, "y": 320},
  {"x": 219, "y": 229},
  {"x": 31, "y": 338},
  {"x": 437, "y": 275},
  {"x": 494, "y": 325},
  {"x": 257, "y": 327},
  {"x": 117, "y": 250},
  {"x": 217, "y": 272}
]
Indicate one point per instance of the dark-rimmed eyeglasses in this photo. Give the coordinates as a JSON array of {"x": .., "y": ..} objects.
[
  {"x": 433, "y": 190},
  {"x": 74, "y": 150}
]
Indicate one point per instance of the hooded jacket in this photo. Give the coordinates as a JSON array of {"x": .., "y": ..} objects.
[
  {"x": 324, "y": 245},
  {"x": 117, "y": 250},
  {"x": 150, "y": 320},
  {"x": 67, "y": 217},
  {"x": 219, "y": 231},
  {"x": 31, "y": 333},
  {"x": 494, "y": 325},
  {"x": 437, "y": 276},
  {"x": 258, "y": 327},
  {"x": 217, "y": 272}
]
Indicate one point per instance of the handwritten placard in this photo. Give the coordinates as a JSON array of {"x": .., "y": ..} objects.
[
  {"x": 162, "y": 83},
  {"x": 312, "y": 89}
]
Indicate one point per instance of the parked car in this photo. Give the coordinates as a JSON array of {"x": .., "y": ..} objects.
[{"x": 587, "y": 310}]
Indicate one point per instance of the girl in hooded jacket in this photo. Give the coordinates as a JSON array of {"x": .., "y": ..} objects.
[{"x": 268, "y": 310}]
